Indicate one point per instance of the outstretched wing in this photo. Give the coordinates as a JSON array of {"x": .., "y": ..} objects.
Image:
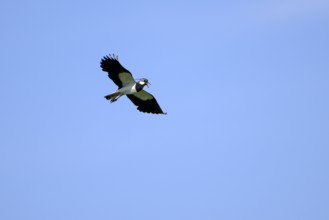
[
  {"x": 119, "y": 75},
  {"x": 146, "y": 102}
]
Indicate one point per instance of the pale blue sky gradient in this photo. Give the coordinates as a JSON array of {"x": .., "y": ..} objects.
[{"x": 245, "y": 85}]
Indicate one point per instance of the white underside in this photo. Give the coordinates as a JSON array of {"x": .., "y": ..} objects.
[
  {"x": 131, "y": 89},
  {"x": 128, "y": 89}
]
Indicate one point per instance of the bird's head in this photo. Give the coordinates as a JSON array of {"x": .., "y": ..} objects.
[{"x": 143, "y": 82}]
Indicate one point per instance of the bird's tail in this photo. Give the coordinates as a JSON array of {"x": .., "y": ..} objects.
[{"x": 113, "y": 96}]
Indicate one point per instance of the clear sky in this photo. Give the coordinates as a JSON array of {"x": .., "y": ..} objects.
[{"x": 245, "y": 85}]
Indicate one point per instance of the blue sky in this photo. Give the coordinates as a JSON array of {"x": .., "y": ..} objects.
[{"x": 245, "y": 85}]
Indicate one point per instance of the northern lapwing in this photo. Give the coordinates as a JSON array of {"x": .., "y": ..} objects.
[{"x": 128, "y": 86}]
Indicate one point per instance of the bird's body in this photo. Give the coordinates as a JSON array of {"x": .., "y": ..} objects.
[
  {"x": 128, "y": 89},
  {"x": 127, "y": 86}
]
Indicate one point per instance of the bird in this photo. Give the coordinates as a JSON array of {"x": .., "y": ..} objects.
[{"x": 127, "y": 86}]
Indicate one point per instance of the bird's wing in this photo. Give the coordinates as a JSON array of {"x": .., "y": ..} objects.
[
  {"x": 119, "y": 75},
  {"x": 146, "y": 102}
]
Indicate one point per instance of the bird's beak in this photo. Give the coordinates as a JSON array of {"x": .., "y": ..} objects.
[{"x": 147, "y": 84}]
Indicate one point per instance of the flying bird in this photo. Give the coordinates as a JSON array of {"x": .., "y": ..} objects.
[{"x": 144, "y": 101}]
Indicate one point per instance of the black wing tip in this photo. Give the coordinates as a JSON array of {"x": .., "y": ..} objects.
[
  {"x": 150, "y": 106},
  {"x": 158, "y": 113},
  {"x": 109, "y": 60},
  {"x": 110, "y": 57},
  {"x": 155, "y": 112}
]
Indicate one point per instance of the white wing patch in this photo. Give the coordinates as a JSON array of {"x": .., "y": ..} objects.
[{"x": 125, "y": 78}]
